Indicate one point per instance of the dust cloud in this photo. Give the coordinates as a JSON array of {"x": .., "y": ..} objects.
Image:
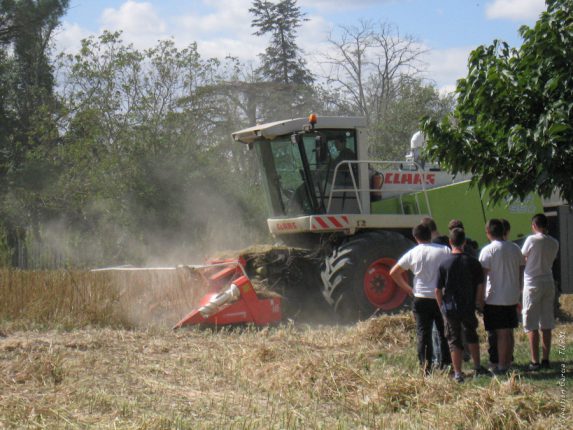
[
  {"x": 211, "y": 225},
  {"x": 210, "y": 222}
]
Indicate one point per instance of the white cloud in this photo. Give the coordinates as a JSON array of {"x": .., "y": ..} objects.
[
  {"x": 134, "y": 18},
  {"x": 516, "y": 10},
  {"x": 225, "y": 30},
  {"x": 338, "y": 5},
  {"x": 68, "y": 37},
  {"x": 231, "y": 16},
  {"x": 230, "y": 19},
  {"x": 313, "y": 40},
  {"x": 446, "y": 66},
  {"x": 140, "y": 25},
  {"x": 447, "y": 89},
  {"x": 313, "y": 33}
]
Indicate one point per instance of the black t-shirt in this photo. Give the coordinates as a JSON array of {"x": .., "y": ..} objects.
[
  {"x": 459, "y": 276},
  {"x": 471, "y": 247},
  {"x": 442, "y": 240}
]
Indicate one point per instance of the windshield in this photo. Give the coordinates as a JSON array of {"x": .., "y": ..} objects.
[{"x": 284, "y": 174}]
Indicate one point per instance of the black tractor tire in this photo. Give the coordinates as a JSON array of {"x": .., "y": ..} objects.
[{"x": 345, "y": 273}]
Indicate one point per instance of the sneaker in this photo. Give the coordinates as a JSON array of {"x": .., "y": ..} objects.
[
  {"x": 481, "y": 371},
  {"x": 545, "y": 364},
  {"x": 534, "y": 367},
  {"x": 459, "y": 378}
]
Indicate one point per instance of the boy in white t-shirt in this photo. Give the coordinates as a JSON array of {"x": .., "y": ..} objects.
[
  {"x": 540, "y": 251},
  {"x": 502, "y": 262},
  {"x": 424, "y": 261}
]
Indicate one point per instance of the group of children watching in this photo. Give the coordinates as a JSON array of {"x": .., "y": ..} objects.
[{"x": 450, "y": 284}]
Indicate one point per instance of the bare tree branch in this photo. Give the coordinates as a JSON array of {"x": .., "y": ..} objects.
[{"x": 366, "y": 65}]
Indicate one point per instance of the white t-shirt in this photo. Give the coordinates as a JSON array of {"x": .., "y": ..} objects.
[
  {"x": 540, "y": 251},
  {"x": 424, "y": 261},
  {"x": 503, "y": 260}
]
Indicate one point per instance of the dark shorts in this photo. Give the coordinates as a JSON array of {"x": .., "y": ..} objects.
[
  {"x": 496, "y": 317},
  {"x": 453, "y": 328}
]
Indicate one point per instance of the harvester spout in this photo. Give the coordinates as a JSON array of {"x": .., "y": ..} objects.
[
  {"x": 215, "y": 303},
  {"x": 238, "y": 304}
]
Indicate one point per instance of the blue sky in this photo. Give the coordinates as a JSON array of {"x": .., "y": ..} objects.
[{"x": 448, "y": 29}]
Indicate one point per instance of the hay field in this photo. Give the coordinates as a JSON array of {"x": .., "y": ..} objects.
[
  {"x": 73, "y": 299},
  {"x": 78, "y": 362}
]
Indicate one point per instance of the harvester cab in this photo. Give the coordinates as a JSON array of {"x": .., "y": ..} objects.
[{"x": 299, "y": 160}]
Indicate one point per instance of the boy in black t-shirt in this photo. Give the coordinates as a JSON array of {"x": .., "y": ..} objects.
[
  {"x": 460, "y": 289},
  {"x": 471, "y": 247}
]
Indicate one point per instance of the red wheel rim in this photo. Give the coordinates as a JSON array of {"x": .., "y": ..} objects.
[{"x": 379, "y": 287}]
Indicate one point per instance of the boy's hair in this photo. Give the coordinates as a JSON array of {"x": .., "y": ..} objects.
[
  {"x": 495, "y": 228},
  {"x": 455, "y": 223},
  {"x": 430, "y": 223},
  {"x": 506, "y": 226},
  {"x": 539, "y": 221},
  {"x": 422, "y": 233},
  {"x": 457, "y": 237}
]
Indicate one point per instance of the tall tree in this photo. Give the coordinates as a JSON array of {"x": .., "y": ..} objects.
[
  {"x": 28, "y": 112},
  {"x": 513, "y": 125},
  {"x": 28, "y": 28},
  {"x": 282, "y": 61},
  {"x": 147, "y": 155}
]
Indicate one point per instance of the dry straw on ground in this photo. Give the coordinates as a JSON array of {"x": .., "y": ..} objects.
[{"x": 98, "y": 375}]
